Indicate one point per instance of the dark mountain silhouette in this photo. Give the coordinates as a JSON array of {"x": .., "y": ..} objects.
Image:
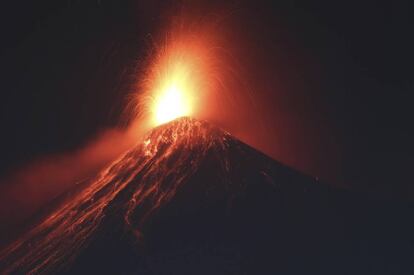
[{"x": 192, "y": 199}]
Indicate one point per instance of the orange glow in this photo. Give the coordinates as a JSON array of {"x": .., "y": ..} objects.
[
  {"x": 174, "y": 95},
  {"x": 179, "y": 77}
]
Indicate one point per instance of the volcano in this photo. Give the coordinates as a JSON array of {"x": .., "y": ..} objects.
[{"x": 192, "y": 199}]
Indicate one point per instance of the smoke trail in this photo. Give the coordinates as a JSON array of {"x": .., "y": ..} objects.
[{"x": 28, "y": 189}]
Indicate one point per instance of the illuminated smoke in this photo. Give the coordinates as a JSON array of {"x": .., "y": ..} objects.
[{"x": 25, "y": 191}]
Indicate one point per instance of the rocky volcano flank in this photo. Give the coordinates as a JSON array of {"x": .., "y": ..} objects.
[{"x": 192, "y": 199}]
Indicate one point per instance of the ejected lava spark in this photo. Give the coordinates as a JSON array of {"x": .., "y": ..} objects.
[
  {"x": 134, "y": 186},
  {"x": 181, "y": 78},
  {"x": 176, "y": 81}
]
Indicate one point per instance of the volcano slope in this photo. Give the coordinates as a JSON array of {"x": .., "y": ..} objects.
[{"x": 192, "y": 199}]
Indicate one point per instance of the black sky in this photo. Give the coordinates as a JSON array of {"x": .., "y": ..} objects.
[{"x": 334, "y": 80}]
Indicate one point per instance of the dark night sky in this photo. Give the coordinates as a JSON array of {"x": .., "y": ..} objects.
[{"x": 334, "y": 81}]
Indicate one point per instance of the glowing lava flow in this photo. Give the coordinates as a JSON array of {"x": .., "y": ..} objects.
[{"x": 130, "y": 189}]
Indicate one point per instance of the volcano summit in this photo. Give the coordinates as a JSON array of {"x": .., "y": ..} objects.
[{"x": 192, "y": 199}]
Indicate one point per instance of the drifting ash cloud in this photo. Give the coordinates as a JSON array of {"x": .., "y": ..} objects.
[{"x": 27, "y": 190}]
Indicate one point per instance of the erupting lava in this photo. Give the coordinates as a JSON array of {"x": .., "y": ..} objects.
[
  {"x": 180, "y": 76},
  {"x": 175, "y": 96}
]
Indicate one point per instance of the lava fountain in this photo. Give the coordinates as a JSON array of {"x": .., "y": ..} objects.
[
  {"x": 180, "y": 77},
  {"x": 174, "y": 94}
]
